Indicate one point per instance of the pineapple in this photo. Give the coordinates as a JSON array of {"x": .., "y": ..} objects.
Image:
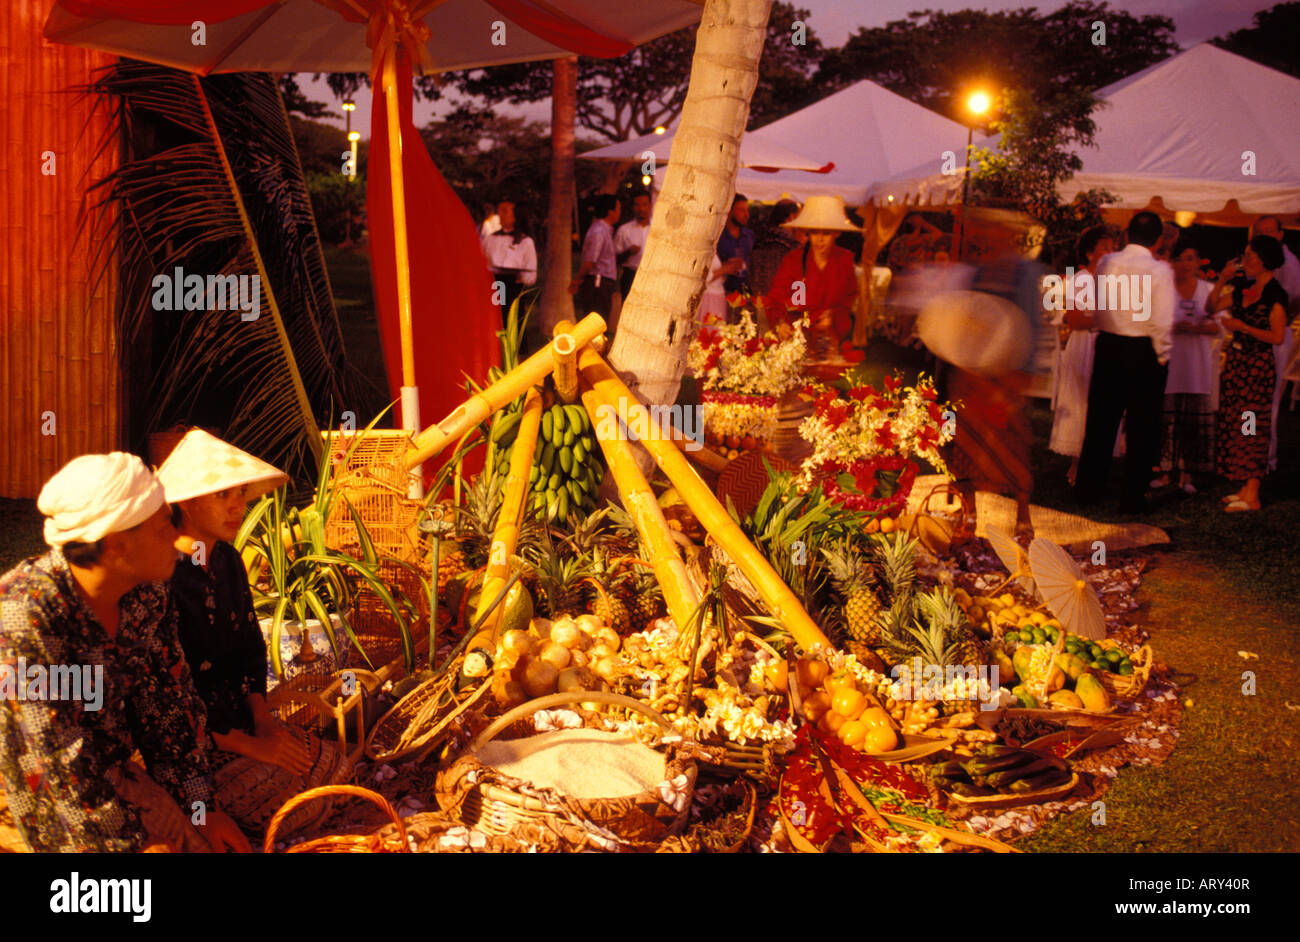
[
  {"x": 558, "y": 578},
  {"x": 647, "y": 601},
  {"x": 451, "y": 563},
  {"x": 895, "y": 568},
  {"x": 854, "y": 582},
  {"x": 607, "y": 605}
]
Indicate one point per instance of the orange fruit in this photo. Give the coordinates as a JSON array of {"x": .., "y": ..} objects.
[
  {"x": 817, "y": 705},
  {"x": 876, "y": 716},
  {"x": 831, "y": 723},
  {"x": 778, "y": 675},
  {"x": 873, "y": 525},
  {"x": 849, "y": 703},
  {"x": 811, "y": 672},
  {"x": 887, "y": 525},
  {"x": 879, "y": 739},
  {"x": 841, "y": 681},
  {"x": 853, "y": 733}
]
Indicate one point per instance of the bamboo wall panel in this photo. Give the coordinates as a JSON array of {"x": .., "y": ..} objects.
[{"x": 58, "y": 350}]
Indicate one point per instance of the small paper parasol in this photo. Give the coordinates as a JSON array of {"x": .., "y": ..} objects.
[
  {"x": 1065, "y": 591},
  {"x": 1013, "y": 557}
]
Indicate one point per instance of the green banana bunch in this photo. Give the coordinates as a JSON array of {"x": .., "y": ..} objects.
[{"x": 567, "y": 466}]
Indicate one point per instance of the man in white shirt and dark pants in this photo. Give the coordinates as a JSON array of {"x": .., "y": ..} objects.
[
  {"x": 598, "y": 277},
  {"x": 511, "y": 256},
  {"x": 1135, "y": 314},
  {"x": 629, "y": 241}
]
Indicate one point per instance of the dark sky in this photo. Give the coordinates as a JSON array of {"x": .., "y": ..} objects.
[{"x": 835, "y": 20}]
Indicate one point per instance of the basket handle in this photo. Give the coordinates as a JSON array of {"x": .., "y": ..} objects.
[
  {"x": 325, "y": 791},
  {"x": 560, "y": 699}
]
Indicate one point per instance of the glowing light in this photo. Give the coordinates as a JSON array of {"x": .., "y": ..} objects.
[
  {"x": 645, "y": 180},
  {"x": 1184, "y": 218},
  {"x": 978, "y": 103},
  {"x": 661, "y": 130},
  {"x": 349, "y": 105},
  {"x": 354, "y": 136}
]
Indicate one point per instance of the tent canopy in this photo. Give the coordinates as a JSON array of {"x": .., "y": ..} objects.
[
  {"x": 1197, "y": 130},
  {"x": 867, "y": 131},
  {"x": 1205, "y": 131},
  {"x": 755, "y": 152}
]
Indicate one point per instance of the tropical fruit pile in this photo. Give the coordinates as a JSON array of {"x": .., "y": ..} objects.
[
  {"x": 567, "y": 466},
  {"x": 1000, "y": 770}
]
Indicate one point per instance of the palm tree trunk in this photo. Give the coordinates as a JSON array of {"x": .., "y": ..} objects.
[
  {"x": 658, "y": 318},
  {"x": 557, "y": 303}
]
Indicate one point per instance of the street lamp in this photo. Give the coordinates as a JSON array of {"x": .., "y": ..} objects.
[
  {"x": 353, "y": 137},
  {"x": 977, "y": 103},
  {"x": 349, "y": 106}
]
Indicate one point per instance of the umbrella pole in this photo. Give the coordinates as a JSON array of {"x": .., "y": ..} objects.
[{"x": 410, "y": 392}]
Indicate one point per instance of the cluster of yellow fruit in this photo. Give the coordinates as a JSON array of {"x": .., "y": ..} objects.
[
  {"x": 881, "y": 525},
  {"x": 555, "y": 656},
  {"x": 988, "y": 612},
  {"x": 838, "y": 705}
]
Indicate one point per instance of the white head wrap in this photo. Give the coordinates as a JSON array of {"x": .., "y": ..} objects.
[{"x": 94, "y": 495}]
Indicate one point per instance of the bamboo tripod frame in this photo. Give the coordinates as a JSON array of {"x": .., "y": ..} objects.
[{"x": 603, "y": 391}]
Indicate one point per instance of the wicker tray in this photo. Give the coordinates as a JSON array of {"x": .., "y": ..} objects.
[
  {"x": 422, "y": 719},
  {"x": 981, "y": 802},
  {"x": 370, "y": 843}
]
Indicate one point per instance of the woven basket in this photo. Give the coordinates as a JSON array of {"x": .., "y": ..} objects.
[
  {"x": 370, "y": 843},
  {"x": 500, "y": 806},
  {"x": 1129, "y": 687},
  {"x": 421, "y": 719},
  {"x": 376, "y": 458}
]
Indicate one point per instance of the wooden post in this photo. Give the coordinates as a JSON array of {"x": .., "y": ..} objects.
[
  {"x": 506, "y": 534},
  {"x": 785, "y": 607},
  {"x": 679, "y": 592},
  {"x": 564, "y": 353},
  {"x": 500, "y": 394}
]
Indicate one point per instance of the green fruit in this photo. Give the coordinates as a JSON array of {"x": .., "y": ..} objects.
[
  {"x": 1125, "y": 668},
  {"x": 575, "y": 492},
  {"x": 1097, "y": 665},
  {"x": 1006, "y": 669},
  {"x": 557, "y": 417},
  {"x": 1071, "y": 648},
  {"x": 532, "y": 475},
  {"x": 1093, "y": 694},
  {"x": 1095, "y": 651},
  {"x": 562, "y": 505},
  {"x": 566, "y": 460},
  {"x": 1114, "y": 655},
  {"x": 504, "y": 428},
  {"x": 1020, "y": 662},
  {"x": 546, "y": 425},
  {"x": 579, "y": 454},
  {"x": 569, "y": 438},
  {"x": 548, "y": 458},
  {"x": 1040, "y": 636},
  {"x": 553, "y": 483},
  {"x": 1026, "y": 637}
]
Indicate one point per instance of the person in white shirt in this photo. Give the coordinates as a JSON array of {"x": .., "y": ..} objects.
[
  {"x": 1074, "y": 367},
  {"x": 511, "y": 255},
  {"x": 629, "y": 241},
  {"x": 598, "y": 276},
  {"x": 1135, "y": 314},
  {"x": 1288, "y": 278},
  {"x": 1189, "y": 388}
]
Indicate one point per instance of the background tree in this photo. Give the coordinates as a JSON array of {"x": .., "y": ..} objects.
[
  {"x": 1271, "y": 41},
  {"x": 631, "y": 95},
  {"x": 932, "y": 57}
]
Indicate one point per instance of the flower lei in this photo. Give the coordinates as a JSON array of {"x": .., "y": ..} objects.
[
  {"x": 866, "y": 423},
  {"x": 735, "y": 358}
]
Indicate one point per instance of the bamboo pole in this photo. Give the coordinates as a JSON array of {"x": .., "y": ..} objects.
[
  {"x": 506, "y": 535},
  {"x": 670, "y": 571},
  {"x": 776, "y": 594},
  {"x": 479, "y": 406},
  {"x": 564, "y": 352}
]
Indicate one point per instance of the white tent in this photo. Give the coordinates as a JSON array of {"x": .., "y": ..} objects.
[
  {"x": 755, "y": 151},
  {"x": 867, "y": 131},
  {"x": 1197, "y": 130}
]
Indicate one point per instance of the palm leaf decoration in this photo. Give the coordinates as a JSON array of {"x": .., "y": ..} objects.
[{"x": 212, "y": 184}]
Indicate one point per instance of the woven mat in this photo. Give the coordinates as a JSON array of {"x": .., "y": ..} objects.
[{"x": 1071, "y": 531}]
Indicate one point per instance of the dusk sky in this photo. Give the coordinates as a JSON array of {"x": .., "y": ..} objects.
[{"x": 835, "y": 20}]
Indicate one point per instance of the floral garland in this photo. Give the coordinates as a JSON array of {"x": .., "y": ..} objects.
[
  {"x": 865, "y": 423},
  {"x": 735, "y": 358},
  {"x": 864, "y": 473}
]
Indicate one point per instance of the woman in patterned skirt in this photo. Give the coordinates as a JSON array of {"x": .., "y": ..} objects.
[{"x": 1257, "y": 322}]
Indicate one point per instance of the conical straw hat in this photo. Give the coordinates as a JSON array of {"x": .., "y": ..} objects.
[
  {"x": 822, "y": 212},
  {"x": 204, "y": 464}
]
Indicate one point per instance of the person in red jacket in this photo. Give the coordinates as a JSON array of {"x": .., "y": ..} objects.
[{"x": 817, "y": 278}]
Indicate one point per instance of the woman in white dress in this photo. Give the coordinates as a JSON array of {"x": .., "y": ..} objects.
[
  {"x": 1189, "y": 409},
  {"x": 1074, "y": 363}
]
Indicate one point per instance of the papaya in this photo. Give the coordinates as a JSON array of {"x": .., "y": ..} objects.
[
  {"x": 1020, "y": 661},
  {"x": 1006, "y": 669},
  {"x": 1067, "y": 699},
  {"x": 1092, "y": 694},
  {"x": 1027, "y": 699}
]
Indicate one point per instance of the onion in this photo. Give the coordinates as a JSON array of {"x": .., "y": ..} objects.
[
  {"x": 476, "y": 664},
  {"x": 519, "y": 642},
  {"x": 540, "y": 627},
  {"x": 540, "y": 677},
  {"x": 608, "y": 637},
  {"x": 607, "y": 668},
  {"x": 564, "y": 631},
  {"x": 600, "y": 651},
  {"x": 578, "y": 658},
  {"x": 576, "y": 678},
  {"x": 589, "y": 623},
  {"x": 557, "y": 654}
]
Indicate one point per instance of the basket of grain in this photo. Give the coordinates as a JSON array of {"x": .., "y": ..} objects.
[{"x": 576, "y": 787}]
